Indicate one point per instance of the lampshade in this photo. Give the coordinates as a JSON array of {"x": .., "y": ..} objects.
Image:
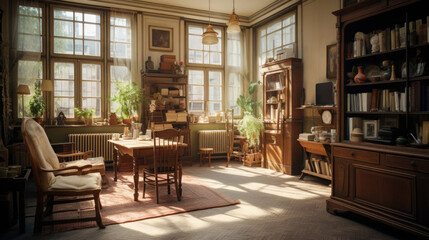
[
  {"x": 233, "y": 24},
  {"x": 47, "y": 86},
  {"x": 210, "y": 36},
  {"x": 23, "y": 89}
]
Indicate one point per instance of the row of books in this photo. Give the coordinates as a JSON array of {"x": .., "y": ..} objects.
[
  {"x": 377, "y": 100},
  {"x": 419, "y": 99},
  {"x": 318, "y": 165},
  {"x": 173, "y": 116},
  {"x": 390, "y": 38}
]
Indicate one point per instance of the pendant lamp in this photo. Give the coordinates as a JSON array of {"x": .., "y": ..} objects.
[
  {"x": 210, "y": 36},
  {"x": 234, "y": 23}
]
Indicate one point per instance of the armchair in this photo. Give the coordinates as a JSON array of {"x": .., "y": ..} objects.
[{"x": 77, "y": 178}]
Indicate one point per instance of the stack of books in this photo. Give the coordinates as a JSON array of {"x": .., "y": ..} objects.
[
  {"x": 182, "y": 116},
  {"x": 171, "y": 116}
]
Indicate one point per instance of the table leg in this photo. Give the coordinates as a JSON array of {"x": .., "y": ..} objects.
[
  {"x": 136, "y": 179},
  {"x": 21, "y": 212},
  {"x": 115, "y": 163}
]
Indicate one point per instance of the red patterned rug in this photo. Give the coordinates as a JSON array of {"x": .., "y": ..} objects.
[{"x": 119, "y": 205}]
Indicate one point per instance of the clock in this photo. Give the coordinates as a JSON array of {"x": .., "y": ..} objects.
[{"x": 327, "y": 117}]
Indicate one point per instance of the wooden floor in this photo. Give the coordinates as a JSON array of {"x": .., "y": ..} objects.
[{"x": 273, "y": 206}]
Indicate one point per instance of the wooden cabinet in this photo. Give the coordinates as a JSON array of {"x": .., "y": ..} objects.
[
  {"x": 282, "y": 88},
  {"x": 388, "y": 184}
]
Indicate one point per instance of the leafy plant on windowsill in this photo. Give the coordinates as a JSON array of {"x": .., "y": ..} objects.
[
  {"x": 128, "y": 96},
  {"x": 250, "y": 126},
  {"x": 37, "y": 103},
  {"x": 84, "y": 113}
]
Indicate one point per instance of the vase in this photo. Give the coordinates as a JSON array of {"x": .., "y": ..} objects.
[{"x": 360, "y": 77}]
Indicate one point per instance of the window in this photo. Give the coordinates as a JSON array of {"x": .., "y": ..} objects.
[
  {"x": 234, "y": 71},
  {"x": 277, "y": 35},
  {"x": 198, "y": 53},
  {"x": 64, "y": 84},
  {"x": 91, "y": 88},
  {"x": 205, "y": 72},
  {"x": 77, "y": 32},
  {"x": 117, "y": 74},
  {"x": 30, "y": 29},
  {"x": 120, "y": 37}
]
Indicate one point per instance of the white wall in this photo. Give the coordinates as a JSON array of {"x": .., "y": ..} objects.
[{"x": 318, "y": 31}]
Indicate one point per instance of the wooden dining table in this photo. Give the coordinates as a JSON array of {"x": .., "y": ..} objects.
[{"x": 142, "y": 154}]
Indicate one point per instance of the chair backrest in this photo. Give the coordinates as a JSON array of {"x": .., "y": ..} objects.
[
  {"x": 165, "y": 150},
  {"x": 41, "y": 152},
  {"x": 229, "y": 126}
]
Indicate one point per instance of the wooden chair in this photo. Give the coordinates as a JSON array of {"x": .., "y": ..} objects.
[
  {"x": 235, "y": 152},
  {"x": 52, "y": 180},
  {"x": 166, "y": 166}
]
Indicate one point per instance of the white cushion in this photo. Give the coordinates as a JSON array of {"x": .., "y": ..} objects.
[{"x": 76, "y": 182}]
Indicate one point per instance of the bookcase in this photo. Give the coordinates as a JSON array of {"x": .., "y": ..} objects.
[
  {"x": 282, "y": 87},
  {"x": 383, "y": 177}
]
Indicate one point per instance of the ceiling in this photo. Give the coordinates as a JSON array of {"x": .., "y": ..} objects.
[{"x": 242, "y": 7}]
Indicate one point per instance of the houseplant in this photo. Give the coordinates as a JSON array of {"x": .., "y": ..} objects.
[
  {"x": 84, "y": 113},
  {"x": 37, "y": 104},
  {"x": 128, "y": 96},
  {"x": 250, "y": 126}
]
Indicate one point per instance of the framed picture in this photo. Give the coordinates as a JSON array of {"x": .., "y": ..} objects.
[
  {"x": 160, "y": 39},
  {"x": 331, "y": 61},
  {"x": 370, "y": 129}
]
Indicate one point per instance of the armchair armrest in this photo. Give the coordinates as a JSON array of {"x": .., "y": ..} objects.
[
  {"x": 62, "y": 171},
  {"x": 83, "y": 154}
]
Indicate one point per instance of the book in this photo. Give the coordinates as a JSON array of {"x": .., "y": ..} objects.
[
  {"x": 427, "y": 28},
  {"x": 382, "y": 41},
  {"x": 425, "y": 132},
  {"x": 403, "y": 104},
  {"x": 402, "y": 37},
  {"x": 415, "y": 100},
  {"x": 392, "y": 39},
  {"x": 412, "y": 37},
  {"x": 387, "y": 34},
  {"x": 419, "y": 32},
  {"x": 397, "y": 40}
]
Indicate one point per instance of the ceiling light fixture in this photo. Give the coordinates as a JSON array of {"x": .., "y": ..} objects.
[
  {"x": 210, "y": 36},
  {"x": 234, "y": 23}
]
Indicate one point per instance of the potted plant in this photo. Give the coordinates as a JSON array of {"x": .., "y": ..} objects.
[
  {"x": 37, "y": 104},
  {"x": 128, "y": 96},
  {"x": 84, "y": 113},
  {"x": 250, "y": 126}
]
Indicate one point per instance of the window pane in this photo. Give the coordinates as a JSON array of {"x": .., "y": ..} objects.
[
  {"x": 195, "y": 56},
  {"x": 216, "y": 47},
  {"x": 119, "y": 34},
  {"x": 64, "y": 89},
  {"x": 195, "y": 30},
  {"x": 215, "y": 78},
  {"x": 91, "y": 89},
  {"x": 30, "y": 43},
  {"x": 28, "y": 72},
  {"x": 65, "y": 105},
  {"x": 215, "y": 58},
  {"x": 120, "y": 50},
  {"x": 289, "y": 20},
  {"x": 289, "y": 35},
  {"x": 92, "y": 31},
  {"x": 64, "y": 71},
  {"x": 93, "y": 18},
  {"x": 120, "y": 21},
  {"x": 30, "y": 11},
  {"x": 195, "y": 42},
  {"x": 196, "y": 92},
  {"x": 63, "y": 14},
  {"x": 63, "y": 45},
  {"x": 78, "y": 30},
  {"x": 214, "y": 107},
  {"x": 196, "y": 77},
  {"x": 274, "y": 26},
  {"x": 78, "y": 47},
  {"x": 78, "y": 16},
  {"x": 92, "y": 103},
  {"x": 63, "y": 28},
  {"x": 30, "y": 25},
  {"x": 117, "y": 73},
  {"x": 196, "y": 107},
  {"x": 91, "y": 48},
  {"x": 215, "y": 93},
  {"x": 91, "y": 72}
]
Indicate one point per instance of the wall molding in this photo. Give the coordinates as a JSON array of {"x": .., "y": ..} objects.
[{"x": 159, "y": 9}]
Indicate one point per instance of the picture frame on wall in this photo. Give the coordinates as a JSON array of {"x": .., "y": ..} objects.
[
  {"x": 160, "y": 39},
  {"x": 331, "y": 61},
  {"x": 370, "y": 129}
]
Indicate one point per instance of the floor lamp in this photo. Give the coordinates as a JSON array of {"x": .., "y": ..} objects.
[
  {"x": 23, "y": 90},
  {"x": 47, "y": 87}
]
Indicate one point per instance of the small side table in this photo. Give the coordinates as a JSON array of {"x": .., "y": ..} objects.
[{"x": 17, "y": 186}]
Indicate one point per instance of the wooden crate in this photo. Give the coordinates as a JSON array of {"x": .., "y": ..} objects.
[{"x": 253, "y": 160}]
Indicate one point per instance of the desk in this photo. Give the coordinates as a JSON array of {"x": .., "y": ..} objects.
[
  {"x": 17, "y": 186},
  {"x": 142, "y": 153}
]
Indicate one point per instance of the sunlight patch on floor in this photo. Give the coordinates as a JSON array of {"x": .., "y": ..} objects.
[{"x": 281, "y": 191}]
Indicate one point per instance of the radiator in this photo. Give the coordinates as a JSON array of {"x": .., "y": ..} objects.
[
  {"x": 98, "y": 142},
  {"x": 215, "y": 139}
]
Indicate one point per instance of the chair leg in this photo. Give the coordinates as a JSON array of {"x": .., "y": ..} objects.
[
  {"x": 201, "y": 158},
  {"x": 228, "y": 157},
  {"x": 99, "y": 202},
  {"x": 210, "y": 159},
  {"x": 49, "y": 205},
  {"x": 176, "y": 185},
  {"x": 168, "y": 183},
  {"x": 39, "y": 214},
  {"x": 180, "y": 181},
  {"x": 97, "y": 210},
  {"x": 156, "y": 188},
  {"x": 144, "y": 183}
]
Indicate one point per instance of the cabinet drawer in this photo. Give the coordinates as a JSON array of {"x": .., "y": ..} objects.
[
  {"x": 359, "y": 155},
  {"x": 407, "y": 163}
]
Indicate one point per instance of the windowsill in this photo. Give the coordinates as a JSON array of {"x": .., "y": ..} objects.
[
  {"x": 76, "y": 126},
  {"x": 207, "y": 123}
]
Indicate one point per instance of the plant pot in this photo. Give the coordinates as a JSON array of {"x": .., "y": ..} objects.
[
  {"x": 88, "y": 122},
  {"x": 38, "y": 120},
  {"x": 126, "y": 120}
]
